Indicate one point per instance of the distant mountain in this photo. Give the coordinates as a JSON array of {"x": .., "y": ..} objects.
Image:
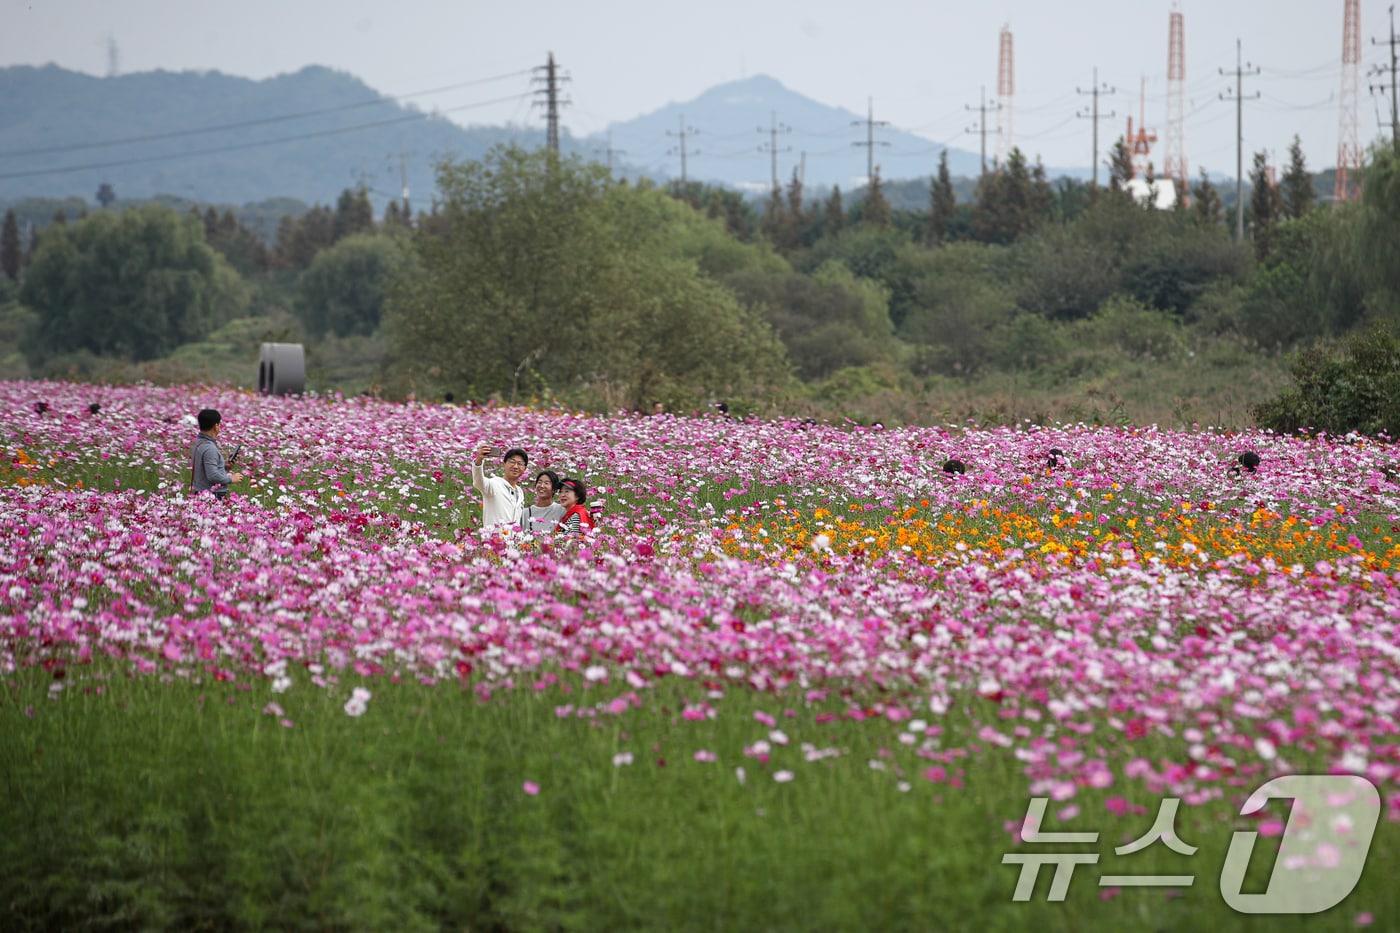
[
  {"x": 51, "y": 117},
  {"x": 308, "y": 135},
  {"x": 731, "y": 122}
]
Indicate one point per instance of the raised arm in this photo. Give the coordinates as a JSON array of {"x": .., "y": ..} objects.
[{"x": 479, "y": 469}]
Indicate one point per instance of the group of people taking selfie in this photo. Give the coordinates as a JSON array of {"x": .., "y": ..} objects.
[{"x": 557, "y": 505}]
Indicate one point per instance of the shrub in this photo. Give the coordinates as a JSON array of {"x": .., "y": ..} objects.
[{"x": 1354, "y": 387}]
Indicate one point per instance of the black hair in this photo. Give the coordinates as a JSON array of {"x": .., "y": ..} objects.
[
  {"x": 448, "y": 397},
  {"x": 94, "y": 408},
  {"x": 579, "y": 489},
  {"x": 553, "y": 478},
  {"x": 1249, "y": 460},
  {"x": 955, "y": 466},
  {"x": 208, "y": 417},
  {"x": 516, "y": 452}
]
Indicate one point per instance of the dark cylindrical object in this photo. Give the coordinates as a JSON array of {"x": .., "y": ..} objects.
[{"x": 282, "y": 369}]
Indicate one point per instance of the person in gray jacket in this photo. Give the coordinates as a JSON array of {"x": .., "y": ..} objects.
[{"x": 207, "y": 467}]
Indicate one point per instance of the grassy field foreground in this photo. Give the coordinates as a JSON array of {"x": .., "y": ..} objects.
[{"x": 132, "y": 803}]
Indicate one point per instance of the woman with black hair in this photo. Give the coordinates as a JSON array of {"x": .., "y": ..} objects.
[
  {"x": 545, "y": 513},
  {"x": 572, "y": 496}
]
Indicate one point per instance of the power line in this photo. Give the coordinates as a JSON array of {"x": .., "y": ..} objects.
[
  {"x": 92, "y": 166},
  {"x": 261, "y": 121}
]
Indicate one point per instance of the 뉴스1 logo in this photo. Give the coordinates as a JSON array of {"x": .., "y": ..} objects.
[{"x": 1323, "y": 851}]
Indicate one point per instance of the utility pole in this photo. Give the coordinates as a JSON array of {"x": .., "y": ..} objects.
[
  {"x": 771, "y": 146},
  {"x": 610, "y": 153},
  {"x": 802, "y": 170},
  {"x": 403, "y": 183},
  {"x": 870, "y": 143},
  {"x": 1242, "y": 68},
  {"x": 1394, "y": 67},
  {"x": 684, "y": 133},
  {"x": 1095, "y": 91},
  {"x": 549, "y": 77},
  {"x": 981, "y": 127}
]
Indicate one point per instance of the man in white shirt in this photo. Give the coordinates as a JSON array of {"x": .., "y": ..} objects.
[{"x": 501, "y": 497}]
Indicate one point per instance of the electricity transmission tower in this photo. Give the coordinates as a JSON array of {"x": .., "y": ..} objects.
[
  {"x": 1242, "y": 69},
  {"x": 547, "y": 96},
  {"x": 1095, "y": 91}
]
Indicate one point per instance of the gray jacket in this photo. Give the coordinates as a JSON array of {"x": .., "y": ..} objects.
[{"x": 208, "y": 470}]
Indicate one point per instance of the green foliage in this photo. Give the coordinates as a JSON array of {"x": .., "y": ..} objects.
[
  {"x": 134, "y": 284},
  {"x": 1175, "y": 266},
  {"x": 875, "y": 207},
  {"x": 1266, "y": 207},
  {"x": 826, "y": 321},
  {"x": 1063, "y": 274},
  {"x": 353, "y": 213},
  {"x": 942, "y": 203},
  {"x": 1011, "y": 202},
  {"x": 1379, "y": 228},
  {"x": 1209, "y": 210},
  {"x": 1352, "y": 387},
  {"x": 958, "y": 308},
  {"x": 546, "y": 275},
  {"x": 1120, "y": 167},
  {"x": 1299, "y": 196},
  {"x": 10, "y": 251},
  {"x": 1311, "y": 285},
  {"x": 344, "y": 289},
  {"x": 1133, "y": 328}
]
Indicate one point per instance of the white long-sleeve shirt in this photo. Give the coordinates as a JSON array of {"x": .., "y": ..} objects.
[{"x": 501, "y": 502}]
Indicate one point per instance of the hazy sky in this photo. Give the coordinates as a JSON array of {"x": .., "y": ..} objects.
[{"x": 921, "y": 61}]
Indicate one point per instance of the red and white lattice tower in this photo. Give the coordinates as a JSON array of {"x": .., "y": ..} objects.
[
  {"x": 1006, "y": 93},
  {"x": 1349, "y": 156},
  {"x": 1174, "y": 159},
  {"x": 1140, "y": 143}
]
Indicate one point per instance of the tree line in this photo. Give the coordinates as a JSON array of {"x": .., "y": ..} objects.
[{"x": 537, "y": 276}]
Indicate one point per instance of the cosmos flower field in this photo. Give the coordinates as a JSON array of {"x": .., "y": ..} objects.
[{"x": 800, "y": 677}]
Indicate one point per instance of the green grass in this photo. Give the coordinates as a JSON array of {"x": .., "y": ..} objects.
[{"x": 182, "y": 806}]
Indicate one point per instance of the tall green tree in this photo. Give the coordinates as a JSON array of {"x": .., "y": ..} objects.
[
  {"x": 834, "y": 216},
  {"x": 353, "y": 213},
  {"x": 1010, "y": 203},
  {"x": 343, "y": 290},
  {"x": 299, "y": 239},
  {"x": 1209, "y": 209},
  {"x": 942, "y": 203},
  {"x": 1266, "y": 206},
  {"x": 796, "y": 218},
  {"x": 106, "y": 196},
  {"x": 546, "y": 274},
  {"x": 1120, "y": 166},
  {"x": 875, "y": 209},
  {"x": 774, "y": 225},
  {"x": 9, "y": 247},
  {"x": 1299, "y": 196},
  {"x": 135, "y": 284}
]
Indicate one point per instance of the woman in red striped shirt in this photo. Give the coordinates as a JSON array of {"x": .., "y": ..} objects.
[{"x": 572, "y": 496}]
